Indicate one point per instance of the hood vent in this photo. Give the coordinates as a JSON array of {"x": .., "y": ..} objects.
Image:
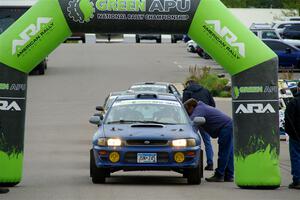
[{"x": 147, "y": 126}]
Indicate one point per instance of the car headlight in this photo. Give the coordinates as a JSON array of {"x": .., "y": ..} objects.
[
  {"x": 179, "y": 143},
  {"x": 115, "y": 142},
  {"x": 184, "y": 143}
]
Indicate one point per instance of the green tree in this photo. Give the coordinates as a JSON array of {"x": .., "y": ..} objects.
[
  {"x": 291, "y": 4},
  {"x": 235, "y": 3}
]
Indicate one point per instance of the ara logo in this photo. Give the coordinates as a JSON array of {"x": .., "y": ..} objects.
[
  {"x": 6, "y": 106},
  {"x": 228, "y": 35},
  {"x": 31, "y": 31},
  {"x": 254, "y": 108},
  {"x": 81, "y": 11}
]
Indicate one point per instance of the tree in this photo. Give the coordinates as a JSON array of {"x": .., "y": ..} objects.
[{"x": 291, "y": 4}]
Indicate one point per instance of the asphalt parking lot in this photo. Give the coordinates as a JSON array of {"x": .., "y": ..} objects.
[{"x": 58, "y": 134}]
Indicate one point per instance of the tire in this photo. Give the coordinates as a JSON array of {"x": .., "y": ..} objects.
[
  {"x": 83, "y": 39},
  {"x": 173, "y": 40},
  {"x": 158, "y": 40},
  {"x": 194, "y": 175},
  {"x": 98, "y": 174},
  {"x": 137, "y": 39}
]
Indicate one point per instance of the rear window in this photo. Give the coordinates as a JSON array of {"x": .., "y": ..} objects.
[
  {"x": 294, "y": 28},
  {"x": 269, "y": 35}
]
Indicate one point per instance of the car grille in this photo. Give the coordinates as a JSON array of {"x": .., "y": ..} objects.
[
  {"x": 131, "y": 157},
  {"x": 147, "y": 142}
]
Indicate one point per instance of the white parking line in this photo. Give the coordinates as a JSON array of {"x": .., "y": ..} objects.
[{"x": 179, "y": 66}]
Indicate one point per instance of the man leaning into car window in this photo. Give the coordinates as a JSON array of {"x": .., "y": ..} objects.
[{"x": 218, "y": 125}]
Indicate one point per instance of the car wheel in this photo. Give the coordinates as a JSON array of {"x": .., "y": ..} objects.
[
  {"x": 194, "y": 175},
  {"x": 98, "y": 175},
  {"x": 173, "y": 40},
  {"x": 158, "y": 40},
  {"x": 83, "y": 39},
  {"x": 137, "y": 39}
]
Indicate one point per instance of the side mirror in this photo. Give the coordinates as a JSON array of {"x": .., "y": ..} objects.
[
  {"x": 95, "y": 120},
  {"x": 100, "y": 108},
  {"x": 288, "y": 50},
  {"x": 99, "y": 115},
  {"x": 199, "y": 121}
]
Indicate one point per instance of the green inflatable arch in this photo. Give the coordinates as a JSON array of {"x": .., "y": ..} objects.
[{"x": 252, "y": 64}]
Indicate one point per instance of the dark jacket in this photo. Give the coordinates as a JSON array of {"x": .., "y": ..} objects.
[
  {"x": 292, "y": 118},
  {"x": 199, "y": 93},
  {"x": 215, "y": 119}
]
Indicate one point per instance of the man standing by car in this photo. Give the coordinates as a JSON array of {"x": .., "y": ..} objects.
[
  {"x": 196, "y": 91},
  {"x": 292, "y": 128},
  {"x": 218, "y": 125}
]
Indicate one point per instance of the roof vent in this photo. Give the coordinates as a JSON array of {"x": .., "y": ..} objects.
[{"x": 146, "y": 96}]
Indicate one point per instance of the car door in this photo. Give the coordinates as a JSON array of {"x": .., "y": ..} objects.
[
  {"x": 287, "y": 58},
  {"x": 175, "y": 91}
]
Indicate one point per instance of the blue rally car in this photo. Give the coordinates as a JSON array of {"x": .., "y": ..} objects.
[{"x": 146, "y": 131}]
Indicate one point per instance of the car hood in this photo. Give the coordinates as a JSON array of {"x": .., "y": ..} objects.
[{"x": 147, "y": 131}]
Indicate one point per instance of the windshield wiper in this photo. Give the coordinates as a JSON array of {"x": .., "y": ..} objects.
[
  {"x": 136, "y": 121},
  {"x": 155, "y": 122}
]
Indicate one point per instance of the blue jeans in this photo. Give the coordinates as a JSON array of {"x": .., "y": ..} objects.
[
  {"x": 225, "y": 155},
  {"x": 208, "y": 147},
  {"x": 295, "y": 159}
]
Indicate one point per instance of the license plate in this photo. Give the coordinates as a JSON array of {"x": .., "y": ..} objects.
[{"x": 146, "y": 158}]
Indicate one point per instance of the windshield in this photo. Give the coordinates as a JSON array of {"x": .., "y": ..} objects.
[
  {"x": 152, "y": 88},
  {"x": 146, "y": 111},
  {"x": 109, "y": 101}
]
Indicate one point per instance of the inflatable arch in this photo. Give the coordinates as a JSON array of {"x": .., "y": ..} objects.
[{"x": 252, "y": 65}]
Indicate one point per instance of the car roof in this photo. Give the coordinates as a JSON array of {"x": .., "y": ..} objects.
[
  {"x": 147, "y": 95},
  {"x": 262, "y": 29},
  {"x": 121, "y": 93},
  {"x": 151, "y": 83},
  {"x": 286, "y": 22}
]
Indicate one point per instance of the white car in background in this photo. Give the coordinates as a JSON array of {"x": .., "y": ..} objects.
[
  {"x": 279, "y": 26},
  {"x": 265, "y": 32},
  {"x": 292, "y": 18}
]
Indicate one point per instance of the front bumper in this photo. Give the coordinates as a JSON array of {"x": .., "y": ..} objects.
[{"x": 165, "y": 160}]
